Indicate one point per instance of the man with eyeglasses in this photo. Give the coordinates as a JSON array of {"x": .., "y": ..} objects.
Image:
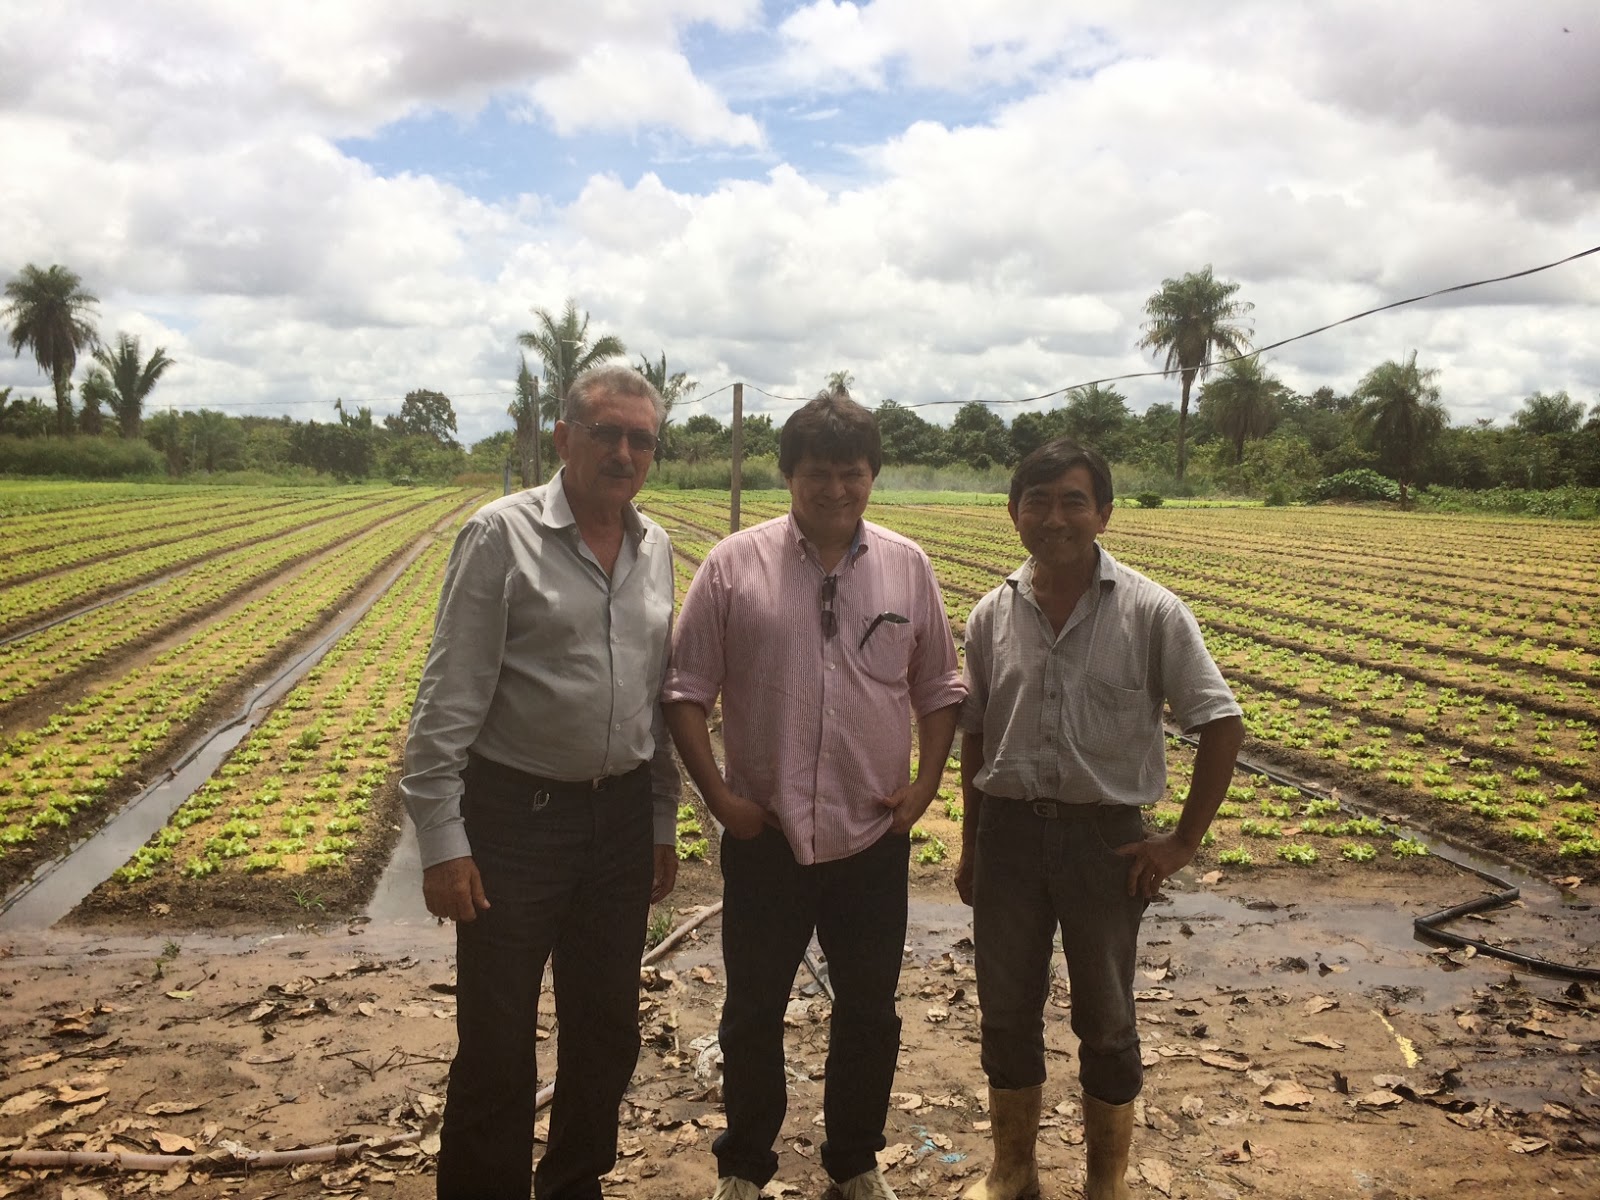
[
  {"x": 825, "y": 636},
  {"x": 544, "y": 793}
]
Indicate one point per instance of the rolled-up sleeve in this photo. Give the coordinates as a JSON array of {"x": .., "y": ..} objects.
[
  {"x": 458, "y": 685},
  {"x": 697, "y": 667},
  {"x": 935, "y": 675}
]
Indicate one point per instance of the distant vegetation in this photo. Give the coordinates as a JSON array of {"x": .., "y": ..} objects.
[{"x": 1387, "y": 440}]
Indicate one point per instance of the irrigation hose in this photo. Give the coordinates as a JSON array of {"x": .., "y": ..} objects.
[
  {"x": 333, "y": 1152},
  {"x": 1428, "y": 928}
]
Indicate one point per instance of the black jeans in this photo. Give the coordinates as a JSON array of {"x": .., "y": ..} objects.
[
  {"x": 568, "y": 879},
  {"x": 1036, "y": 875},
  {"x": 771, "y": 905}
]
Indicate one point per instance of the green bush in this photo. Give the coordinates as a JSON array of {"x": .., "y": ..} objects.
[
  {"x": 80, "y": 458},
  {"x": 1148, "y": 499},
  {"x": 1573, "y": 503},
  {"x": 1362, "y": 483}
]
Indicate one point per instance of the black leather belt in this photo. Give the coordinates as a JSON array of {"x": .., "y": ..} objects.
[
  {"x": 542, "y": 789},
  {"x": 1052, "y": 810}
]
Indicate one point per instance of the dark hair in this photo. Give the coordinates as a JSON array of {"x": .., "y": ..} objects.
[
  {"x": 1053, "y": 460},
  {"x": 831, "y": 427}
]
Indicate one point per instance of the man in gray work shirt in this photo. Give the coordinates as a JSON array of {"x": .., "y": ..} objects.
[
  {"x": 539, "y": 776},
  {"x": 1069, "y": 664}
]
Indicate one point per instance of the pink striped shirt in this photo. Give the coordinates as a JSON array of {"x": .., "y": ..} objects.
[{"x": 815, "y": 730}]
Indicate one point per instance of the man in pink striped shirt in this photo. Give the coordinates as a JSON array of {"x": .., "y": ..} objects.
[{"x": 825, "y": 636}]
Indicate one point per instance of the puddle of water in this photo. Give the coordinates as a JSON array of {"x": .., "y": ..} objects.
[{"x": 398, "y": 897}]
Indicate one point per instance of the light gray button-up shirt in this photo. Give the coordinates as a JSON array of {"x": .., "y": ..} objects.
[
  {"x": 1076, "y": 716},
  {"x": 541, "y": 662}
]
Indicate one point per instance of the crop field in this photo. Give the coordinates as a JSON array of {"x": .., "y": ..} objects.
[
  {"x": 1441, "y": 668},
  {"x": 1436, "y": 669},
  {"x": 131, "y": 618}
]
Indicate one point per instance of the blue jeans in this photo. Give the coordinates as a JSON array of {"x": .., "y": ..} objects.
[
  {"x": 568, "y": 880},
  {"x": 1034, "y": 874},
  {"x": 771, "y": 905}
]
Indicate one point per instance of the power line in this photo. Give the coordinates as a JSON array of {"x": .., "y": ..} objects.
[{"x": 691, "y": 400}]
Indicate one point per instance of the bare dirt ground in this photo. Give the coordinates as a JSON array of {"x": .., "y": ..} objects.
[{"x": 1299, "y": 1043}]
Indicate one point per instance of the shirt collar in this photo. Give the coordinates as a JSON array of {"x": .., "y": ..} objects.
[
  {"x": 557, "y": 513},
  {"x": 858, "y": 544},
  {"x": 1105, "y": 573}
]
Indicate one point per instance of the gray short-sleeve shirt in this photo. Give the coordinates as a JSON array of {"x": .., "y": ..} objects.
[{"x": 1076, "y": 716}]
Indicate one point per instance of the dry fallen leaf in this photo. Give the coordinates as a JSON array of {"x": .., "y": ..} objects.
[
  {"x": 892, "y": 1156},
  {"x": 24, "y": 1102},
  {"x": 1228, "y": 1060},
  {"x": 1319, "y": 1039},
  {"x": 938, "y": 1016},
  {"x": 1529, "y": 1145},
  {"x": 1157, "y": 1174},
  {"x": 906, "y": 1101},
  {"x": 39, "y": 1061},
  {"x": 71, "y": 1095},
  {"x": 1319, "y": 1004},
  {"x": 1381, "y": 1098},
  {"x": 1286, "y": 1093},
  {"x": 163, "y": 1108},
  {"x": 173, "y": 1143}
]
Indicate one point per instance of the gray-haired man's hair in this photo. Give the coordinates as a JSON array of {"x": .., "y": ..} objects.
[{"x": 614, "y": 380}]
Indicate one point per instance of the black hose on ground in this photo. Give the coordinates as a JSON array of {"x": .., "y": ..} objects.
[{"x": 1428, "y": 928}]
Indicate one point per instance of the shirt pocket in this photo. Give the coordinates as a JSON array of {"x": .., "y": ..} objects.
[
  {"x": 887, "y": 655},
  {"x": 1113, "y": 722}
]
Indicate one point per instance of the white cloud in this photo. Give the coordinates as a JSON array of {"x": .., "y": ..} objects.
[{"x": 185, "y": 159}]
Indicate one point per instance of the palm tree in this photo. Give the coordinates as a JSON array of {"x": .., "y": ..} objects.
[
  {"x": 1095, "y": 415},
  {"x": 49, "y": 314},
  {"x": 671, "y": 388},
  {"x": 1243, "y": 402},
  {"x": 1401, "y": 416},
  {"x": 839, "y": 382},
  {"x": 524, "y": 410},
  {"x": 1189, "y": 320},
  {"x": 122, "y": 383},
  {"x": 563, "y": 344}
]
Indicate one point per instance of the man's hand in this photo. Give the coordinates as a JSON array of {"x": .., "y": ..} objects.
[
  {"x": 744, "y": 819},
  {"x": 1152, "y": 861},
  {"x": 453, "y": 889},
  {"x": 666, "y": 873},
  {"x": 908, "y": 804},
  {"x": 964, "y": 875}
]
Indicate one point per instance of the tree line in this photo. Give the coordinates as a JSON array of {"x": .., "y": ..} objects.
[{"x": 1241, "y": 430}]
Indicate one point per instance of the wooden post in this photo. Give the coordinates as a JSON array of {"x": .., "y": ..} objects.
[{"x": 736, "y": 448}]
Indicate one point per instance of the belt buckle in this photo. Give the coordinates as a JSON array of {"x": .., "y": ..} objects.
[{"x": 1046, "y": 809}]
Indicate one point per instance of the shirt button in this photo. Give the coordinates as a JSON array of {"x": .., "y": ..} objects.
[
  {"x": 830, "y": 666},
  {"x": 831, "y": 713},
  {"x": 619, "y": 727}
]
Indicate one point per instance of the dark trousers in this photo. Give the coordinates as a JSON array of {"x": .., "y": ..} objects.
[
  {"x": 568, "y": 875},
  {"x": 771, "y": 906},
  {"x": 1035, "y": 874}
]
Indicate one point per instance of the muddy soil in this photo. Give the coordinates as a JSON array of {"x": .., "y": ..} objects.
[{"x": 1299, "y": 1042}]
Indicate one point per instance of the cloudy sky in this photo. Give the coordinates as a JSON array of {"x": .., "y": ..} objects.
[{"x": 951, "y": 199}]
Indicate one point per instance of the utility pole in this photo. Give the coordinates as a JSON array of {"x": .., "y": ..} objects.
[{"x": 736, "y": 448}]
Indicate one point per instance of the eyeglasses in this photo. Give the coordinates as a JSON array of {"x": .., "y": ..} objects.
[
  {"x": 830, "y": 619},
  {"x": 611, "y": 436}
]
